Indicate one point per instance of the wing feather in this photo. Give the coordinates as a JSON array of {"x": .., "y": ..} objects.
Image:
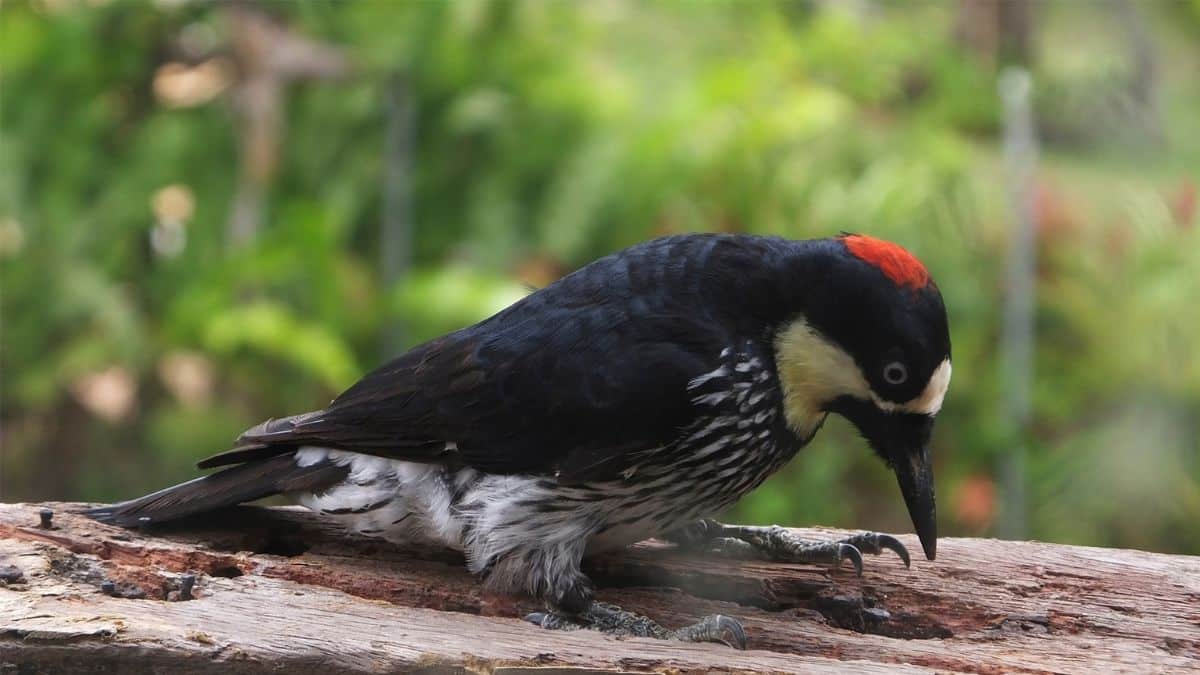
[{"x": 572, "y": 381}]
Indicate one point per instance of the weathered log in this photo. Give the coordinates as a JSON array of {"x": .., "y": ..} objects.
[{"x": 281, "y": 589}]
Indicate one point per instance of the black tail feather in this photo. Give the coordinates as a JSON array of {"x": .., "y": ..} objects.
[
  {"x": 273, "y": 437},
  {"x": 242, "y": 483}
]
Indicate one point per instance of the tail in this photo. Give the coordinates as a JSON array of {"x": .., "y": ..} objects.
[
  {"x": 237, "y": 484},
  {"x": 272, "y": 438}
]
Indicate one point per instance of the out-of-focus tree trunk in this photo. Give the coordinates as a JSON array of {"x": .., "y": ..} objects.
[
  {"x": 396, "y": 223},
  {"x": 1017, "y": 338},
  {"x": 999, "y": 32},
  {"x": 1144, "y": 80},
  {"x": 268, "y": 55}
]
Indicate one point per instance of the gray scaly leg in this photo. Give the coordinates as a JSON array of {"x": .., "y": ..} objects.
[
  {"x": 613, "y": 620},
  {"x": 777, "y": 543}
]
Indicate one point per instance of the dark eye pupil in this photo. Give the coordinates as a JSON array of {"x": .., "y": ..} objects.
[{"x": 895, "y": 373}]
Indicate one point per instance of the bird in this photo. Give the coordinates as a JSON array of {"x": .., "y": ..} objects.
[{"x": 638, "y": 396}]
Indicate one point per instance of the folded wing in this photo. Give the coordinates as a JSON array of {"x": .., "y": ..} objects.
[{"x": 569, "y": 391}]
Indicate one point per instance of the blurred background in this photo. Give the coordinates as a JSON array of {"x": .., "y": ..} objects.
[{"x": 215, "y": 213}]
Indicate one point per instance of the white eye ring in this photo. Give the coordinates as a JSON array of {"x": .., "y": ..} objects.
[{"x": 895, "y": 373}]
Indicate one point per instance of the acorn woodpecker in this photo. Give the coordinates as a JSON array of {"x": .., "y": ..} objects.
[{"x": 636, "y": 397}]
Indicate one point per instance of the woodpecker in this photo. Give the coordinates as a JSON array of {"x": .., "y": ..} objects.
[{"x": 636, "y": 397}]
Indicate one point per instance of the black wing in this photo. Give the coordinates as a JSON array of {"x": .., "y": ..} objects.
[
  {"x": 558, "y": 400},
  {"x": 568, "y": 382}
]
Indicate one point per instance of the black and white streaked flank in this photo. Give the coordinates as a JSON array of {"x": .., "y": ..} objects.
[{"x": 637, "y": 397}]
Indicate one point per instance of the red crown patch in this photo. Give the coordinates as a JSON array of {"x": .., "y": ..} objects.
[{"x": 893, "y": 260}]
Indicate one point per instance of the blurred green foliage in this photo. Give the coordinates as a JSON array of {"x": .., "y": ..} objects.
[{"x": 139, "y": 336}]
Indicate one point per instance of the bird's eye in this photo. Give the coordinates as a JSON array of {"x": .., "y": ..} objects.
[{"x": 895, "y": 373}]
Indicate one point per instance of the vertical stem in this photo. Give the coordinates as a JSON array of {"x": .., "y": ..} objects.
[
  {"x": 1021, "y": 157},
  {"x": 1145, "y": 81},
  {"x": 396, "y": 224}
]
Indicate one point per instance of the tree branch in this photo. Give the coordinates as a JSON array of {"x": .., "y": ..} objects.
[{"x": 282, "y": 588}]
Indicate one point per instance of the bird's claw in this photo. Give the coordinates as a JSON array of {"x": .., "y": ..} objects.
[
  {"x": 730, "y": 632},
  {"x": 876, "y": 542},
  {"x": 714, "y": 628},
  {"x": 779, "y": 543},
  {"x": 893, "y": 544},
  {"x": 552, "y": 621},
  {"x": 616, "y": 621},
  {"x": 850, "y": 552}
]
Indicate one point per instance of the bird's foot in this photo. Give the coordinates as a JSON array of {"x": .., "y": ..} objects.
[
  {"x": 613, "y": 620},
  {"x": 777, "y": 543}
]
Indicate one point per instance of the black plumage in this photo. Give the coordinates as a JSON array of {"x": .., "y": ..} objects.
[
  {"x": 234, "y": 485},
  {"x": 568, "y": 380}
]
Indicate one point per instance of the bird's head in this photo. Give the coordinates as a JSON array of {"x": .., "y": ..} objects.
[{"x": 871, "y": 343}]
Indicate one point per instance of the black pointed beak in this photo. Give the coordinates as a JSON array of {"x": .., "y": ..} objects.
[
  {"x": 915, "y": 475},
  {"x": 901, "y": 440}
]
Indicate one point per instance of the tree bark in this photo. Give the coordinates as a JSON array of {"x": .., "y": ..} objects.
[{"x": 281, "y": 589}]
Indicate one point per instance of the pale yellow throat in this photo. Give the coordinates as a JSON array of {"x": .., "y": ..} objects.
[{"x": 814, "y": 371}]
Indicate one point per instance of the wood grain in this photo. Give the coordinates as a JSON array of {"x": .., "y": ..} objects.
[{"x": 280, "y": 589}]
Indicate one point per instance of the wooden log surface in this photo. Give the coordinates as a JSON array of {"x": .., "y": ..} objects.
[{"x": 280, "y": 589}]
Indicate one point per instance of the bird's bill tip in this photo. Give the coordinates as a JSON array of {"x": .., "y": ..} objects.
[{"x": 914, "y": 472}]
